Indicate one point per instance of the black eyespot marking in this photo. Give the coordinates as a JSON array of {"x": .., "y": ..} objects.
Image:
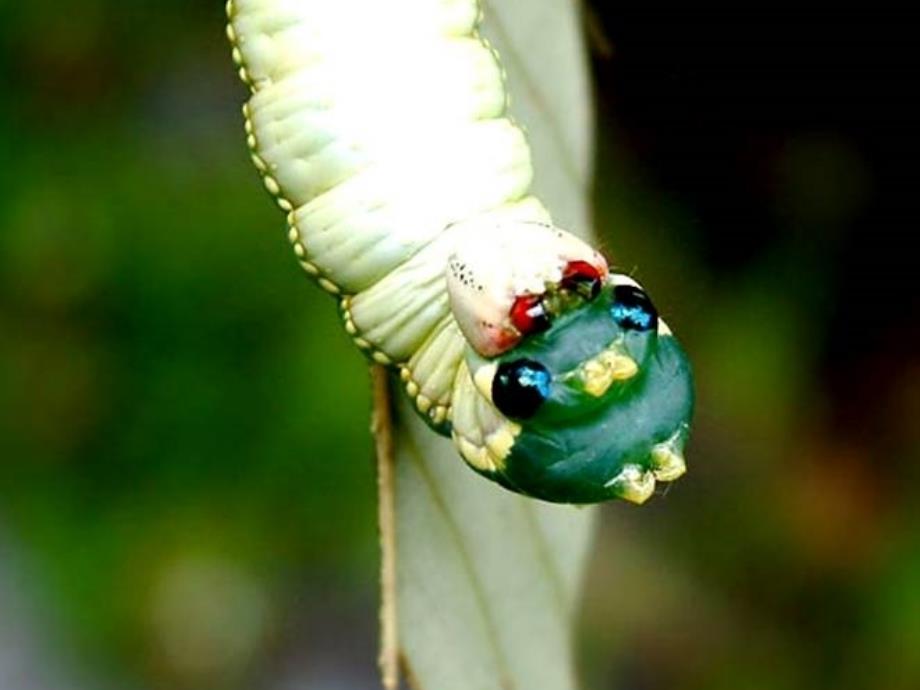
[
  {"x": 632, "y": 309},
  {"x": 520, "y": 387}
]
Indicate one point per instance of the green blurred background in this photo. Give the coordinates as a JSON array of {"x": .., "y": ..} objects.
[{"x": 186, "y": 484}]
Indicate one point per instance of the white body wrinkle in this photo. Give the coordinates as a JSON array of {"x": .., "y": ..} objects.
[{"x": 384, "y": 135}]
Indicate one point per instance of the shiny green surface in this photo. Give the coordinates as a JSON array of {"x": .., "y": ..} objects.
[{"x": 576, "y": 443}]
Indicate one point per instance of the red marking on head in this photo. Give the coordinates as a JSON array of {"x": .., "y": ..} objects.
[
  {"x": 580, "y": 276},
  {"x": 505, "y": 340},
  {"x": 529, "y": 315}
]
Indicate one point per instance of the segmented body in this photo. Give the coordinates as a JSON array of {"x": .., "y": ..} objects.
[
  {"x": 377, "y": 129},
  {"x": 382, "y": 131}
]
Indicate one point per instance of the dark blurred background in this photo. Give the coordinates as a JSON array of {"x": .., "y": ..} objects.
[{"x": 186, "y": 488}]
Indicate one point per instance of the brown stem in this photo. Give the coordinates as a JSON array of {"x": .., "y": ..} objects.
[{"x": 382, "y": 428}]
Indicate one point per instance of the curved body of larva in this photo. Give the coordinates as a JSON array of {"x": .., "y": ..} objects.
[
  {"x": 381, "y": 130},
  {"x": 373, "y": 152}
]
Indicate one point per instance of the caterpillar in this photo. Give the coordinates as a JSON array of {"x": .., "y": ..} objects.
[{"x": 382, "y": 131}]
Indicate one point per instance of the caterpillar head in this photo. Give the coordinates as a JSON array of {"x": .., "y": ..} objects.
[{"x": 573, "y": 389}]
